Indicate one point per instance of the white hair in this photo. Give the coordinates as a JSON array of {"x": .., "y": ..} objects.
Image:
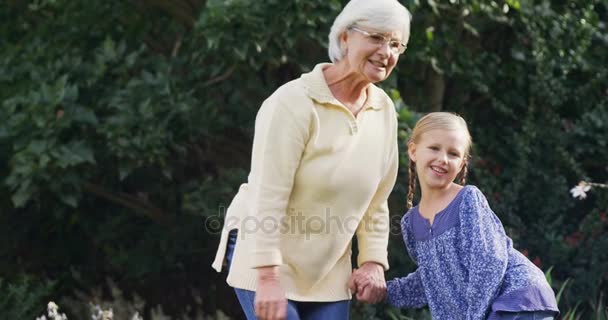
[{"x": 382, "y": 15}]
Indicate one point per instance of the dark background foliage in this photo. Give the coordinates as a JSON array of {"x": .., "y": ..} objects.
[{"x": 126, "y": 127}]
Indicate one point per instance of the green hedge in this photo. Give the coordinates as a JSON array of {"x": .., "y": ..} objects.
[{"x": 126, "y": 129}]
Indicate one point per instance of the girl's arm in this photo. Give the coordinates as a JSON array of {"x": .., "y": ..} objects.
[
  {"x": 486, "y": 256},
  {"x": 406, "y": 292}
]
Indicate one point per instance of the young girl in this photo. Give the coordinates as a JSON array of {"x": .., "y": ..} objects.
[{"x": 467, "y": 266}]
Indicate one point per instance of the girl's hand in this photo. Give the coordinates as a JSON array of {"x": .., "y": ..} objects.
[{"x": 270, "y": 301}]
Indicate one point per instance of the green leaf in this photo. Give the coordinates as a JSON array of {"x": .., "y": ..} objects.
[
  {"x": 71, "y": 93},
  {"x": 86, "y": 116},
  {"x": 44, "y": 160},
  {"x": 109, "y": 49},
  {"x": 83, "y": 152},
  {"x": 471, "y": 29},
  {"x": 561, "y": 290},
  {"x": 515, "y": 4},
  {"x": 4, "y": 133},
  {"x": 37, "y": 147},
  {"x": 518, "y": 55},
  {"x": 21, "y": 197},
  {"x": 123, "y": 172},
  {"x": 69, "y": 199},
  {"x": 430, "y": 33}
]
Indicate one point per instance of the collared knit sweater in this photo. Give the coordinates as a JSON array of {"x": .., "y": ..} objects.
[{"x": 319, "y": 176}]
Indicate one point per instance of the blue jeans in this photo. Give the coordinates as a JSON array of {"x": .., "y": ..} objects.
[
  {"x": 525, "y": 315},
  {"x": 296, "y": 310}
]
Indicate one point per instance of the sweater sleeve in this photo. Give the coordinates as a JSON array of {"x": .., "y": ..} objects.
[
  {"x": 406, "y": 292},
  {"x": 281, "y": 132},
  {"x": 486, "y": 257},
  {"x": 373, "y": 231}
]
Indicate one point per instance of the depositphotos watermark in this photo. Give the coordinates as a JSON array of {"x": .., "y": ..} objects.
[{"x": 298, "y": 223}]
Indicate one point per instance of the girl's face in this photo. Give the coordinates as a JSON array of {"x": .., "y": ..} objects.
[{"x": 439, "y": 157}]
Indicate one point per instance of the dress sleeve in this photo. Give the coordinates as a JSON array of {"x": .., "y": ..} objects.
[
  {"x": 281, "y": 133},
  {"x": 373, "y": 231},
  {"x": 406, "y": 292},
  {"x": 486, "y": 253}
]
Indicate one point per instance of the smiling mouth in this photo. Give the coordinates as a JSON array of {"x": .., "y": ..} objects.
[
  {"x": 439, "y": 170},
  {"x": 377, "y": 64}
]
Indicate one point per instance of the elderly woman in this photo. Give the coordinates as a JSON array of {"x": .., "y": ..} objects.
[{"x": 324, "y": 162}]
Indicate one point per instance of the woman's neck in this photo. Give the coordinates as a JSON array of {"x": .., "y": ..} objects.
[{"x": 346, "y": 86}]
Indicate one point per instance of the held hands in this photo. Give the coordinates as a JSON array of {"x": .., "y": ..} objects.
[
  {"x": 270, "y": 300},
  {"x": 368, "y": 283}
]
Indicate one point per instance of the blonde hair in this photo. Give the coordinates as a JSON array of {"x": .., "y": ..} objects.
[
  {"x": 383, "y": 15},
  {"x": 435, "y": 121}
]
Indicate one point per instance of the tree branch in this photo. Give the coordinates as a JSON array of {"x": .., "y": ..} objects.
[
  {"x": 130, "y": 202},
  {"x": 221, "y": 77}
]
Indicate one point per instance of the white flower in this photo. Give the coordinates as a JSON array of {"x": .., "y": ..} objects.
[
  {"x": 52, "y": 306},
  {"x": 53, "y": 313},
  {"x": 108, "y": 315},
  {"x": 136, "y": 316},
  {"x": 580, "y": 191},
  {"x": 96, "y": 312}
]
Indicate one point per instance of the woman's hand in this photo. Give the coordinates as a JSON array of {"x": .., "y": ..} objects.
[
  {"x": 368, "y": 283},
  {"x": 270, "y": 301}
]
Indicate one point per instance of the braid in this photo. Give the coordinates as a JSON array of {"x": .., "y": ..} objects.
[
  {"x": 463, "y": 174},
  {"x": 412, "y": 186}
]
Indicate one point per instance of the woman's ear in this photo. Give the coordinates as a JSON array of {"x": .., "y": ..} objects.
[
  {"x": 343, "y": 38},
  {"x": 411, "y": 151}
]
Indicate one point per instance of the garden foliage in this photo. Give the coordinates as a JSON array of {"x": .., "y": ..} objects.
[{"x": 126, "y": 127}]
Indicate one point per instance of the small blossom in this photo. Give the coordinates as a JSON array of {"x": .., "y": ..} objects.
[
  {"x": 53, "y": 313},
  {"x": 136, "y": 316},
  {"x": 580, "y": 191},
  {"x": 108, "y": 315},
  {"x": 97, "y": 312},
  {"x": 52, "y": 306}
]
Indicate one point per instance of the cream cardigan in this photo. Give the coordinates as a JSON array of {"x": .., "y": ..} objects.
[{"x": 318, "y": 177}]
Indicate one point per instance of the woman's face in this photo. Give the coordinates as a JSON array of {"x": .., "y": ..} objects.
[{"x": 371, "y": 54}]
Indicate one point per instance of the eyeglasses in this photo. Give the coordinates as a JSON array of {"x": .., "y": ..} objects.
[{"x": 380, "y": 39}]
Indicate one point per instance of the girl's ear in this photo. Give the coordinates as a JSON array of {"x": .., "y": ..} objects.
[{"x": 411, "y": 151}]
